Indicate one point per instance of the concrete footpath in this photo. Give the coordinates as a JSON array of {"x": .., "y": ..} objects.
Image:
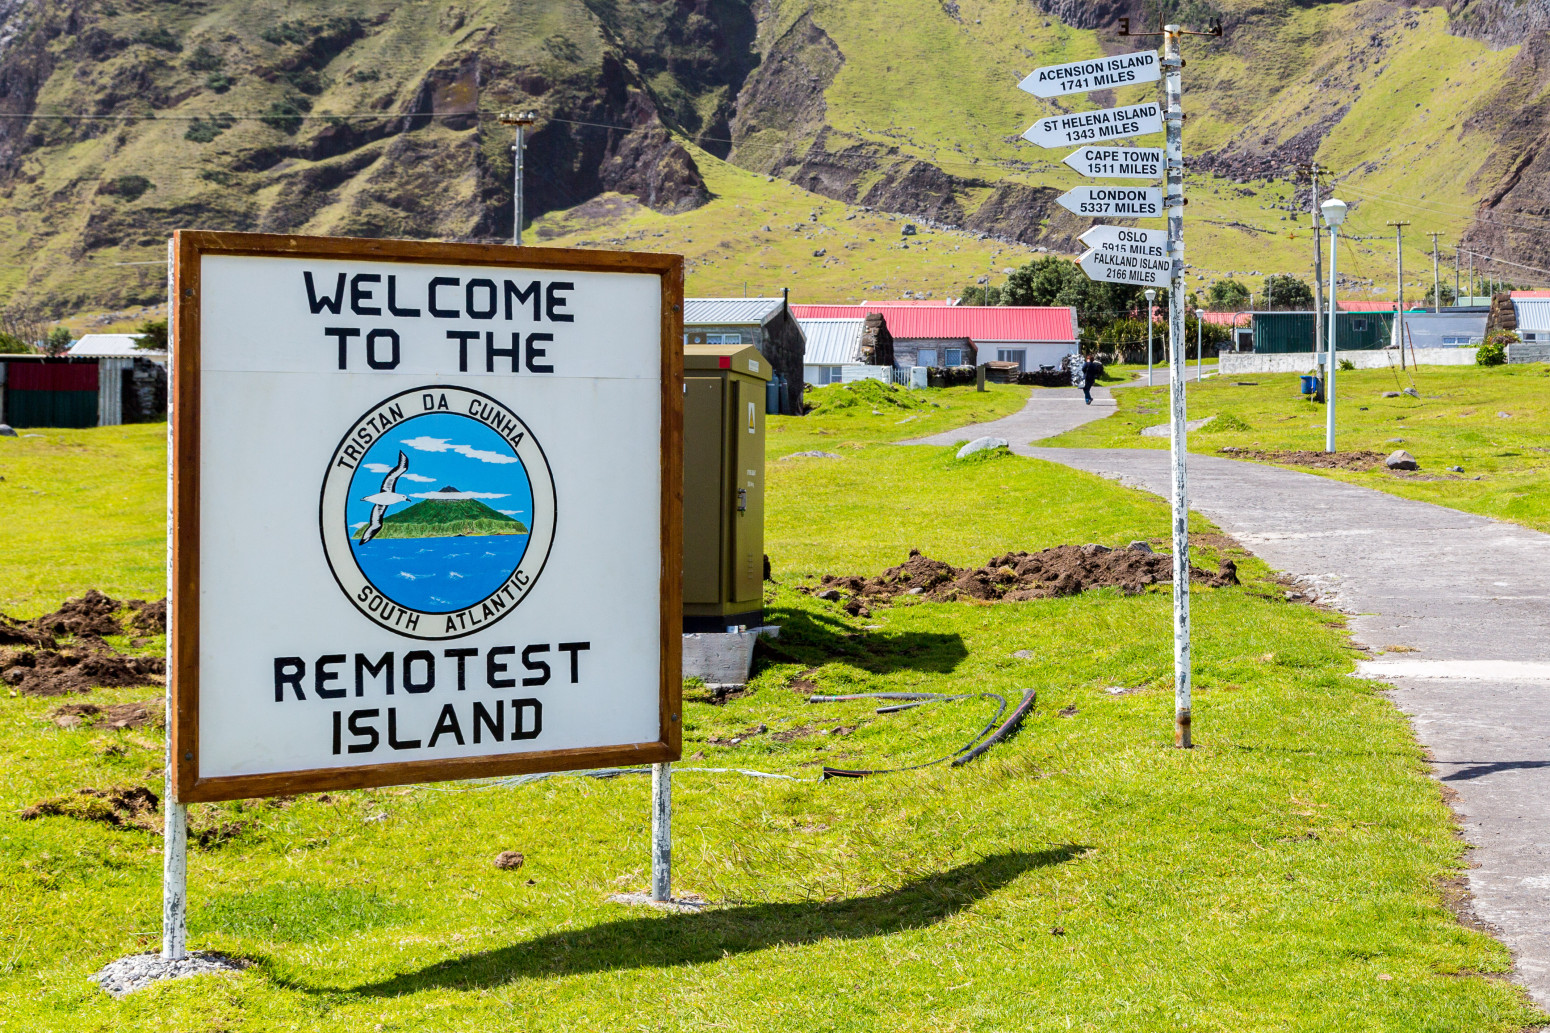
[{"x": 1469, "y": 595}]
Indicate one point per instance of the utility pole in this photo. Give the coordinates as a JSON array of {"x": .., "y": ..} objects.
[
  {"x": 1399, "y": 288},
  {"x": 1318, "y": 264},
  {"x": 1334, "y": 214},
  {"x": 1436, "y": 284},
  {"x": 522, "y": 122},
  {"x": 1456, "y": 248}
]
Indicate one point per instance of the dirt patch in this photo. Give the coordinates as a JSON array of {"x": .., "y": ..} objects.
[
  {"x": 114, "y": 717},
  {"x": 792, "y": 734},
  {"x": 1360, "y": 459},
  {"x": 740, "y": 737},
  {"x": 92, "y": 663},
  {"x": 92, "y": 614},
  {"x": 1017, "y": 576},
  {"x": 119, "y": 806}
]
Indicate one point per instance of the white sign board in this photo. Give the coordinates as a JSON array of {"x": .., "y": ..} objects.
[
  {"x": 1081, "y": 127},
  {"x": 1118, "y": 162},
  {"x": 1101, "y": 74},
  {"x": 1109, "y": 238},
  {"x": 1116, "y": 266},
  {"x": 420, "y": 508},
  {"x": 1116, "y": 202}
]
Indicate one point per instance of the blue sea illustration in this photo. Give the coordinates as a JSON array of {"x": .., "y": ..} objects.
[{"x": 433, "y": 490}]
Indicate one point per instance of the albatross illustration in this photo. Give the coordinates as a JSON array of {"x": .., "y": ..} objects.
[{"x": 385, "y": 498}]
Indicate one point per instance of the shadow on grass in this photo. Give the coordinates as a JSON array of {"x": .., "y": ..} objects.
[
  {"x": 814, "y": 639},
  {"x": 663, "y": 941}
]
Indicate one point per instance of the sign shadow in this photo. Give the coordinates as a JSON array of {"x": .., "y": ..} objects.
[
  {"x": 815, "y": 639},
  {"x": 671, "y": 940}
]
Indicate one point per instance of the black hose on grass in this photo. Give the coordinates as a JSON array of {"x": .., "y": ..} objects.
[{"x": 963, "y": 754}]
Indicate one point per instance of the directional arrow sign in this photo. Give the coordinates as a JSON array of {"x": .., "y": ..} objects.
[
  {"x": 1118, "y": 162},
  {"x": 1114, "y": 267},
  {"x": 1121, "y": 202},
  {"x": 1081, "y": 127},
  {"x": 1134, "y": 241},
  {"x": 1102, "y": 74}
]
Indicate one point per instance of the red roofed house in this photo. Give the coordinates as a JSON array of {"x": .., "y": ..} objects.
[{"x": 966, "y": 335}]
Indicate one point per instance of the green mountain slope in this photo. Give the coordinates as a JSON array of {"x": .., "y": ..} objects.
[
  {"x": 441, "y": 518},
  {"x": 694, "y": 125}
]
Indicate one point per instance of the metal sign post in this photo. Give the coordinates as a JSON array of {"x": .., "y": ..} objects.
[
  {"x": 174, "y": 871},
  {"x": 1173, "y": 85}
]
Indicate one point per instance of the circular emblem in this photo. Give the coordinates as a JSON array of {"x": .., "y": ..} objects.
[{"x": 437, "y": 512}]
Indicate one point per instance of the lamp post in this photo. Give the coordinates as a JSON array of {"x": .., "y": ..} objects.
[
  {"x": 522, "y": 121},
  {"x": 1334, "y": 214},
  {"x": 1151, "y": 296},
  {"x": 1200, "y": 318}
]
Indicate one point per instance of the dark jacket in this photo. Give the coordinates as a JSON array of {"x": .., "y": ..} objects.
[{"x": 1092, "y": 369}]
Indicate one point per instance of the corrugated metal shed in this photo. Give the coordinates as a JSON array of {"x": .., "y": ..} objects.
[
  {"x": 111, "y": 346},
  {"x": 729, "y": 311},
  {"x": 1533, "y": 315},
  {"x": 1280, "y": 333},
  {"x": 1444, "y": 329},
  {"x": 832, "y": 342},
  {"x": 1000, "y": 324}
]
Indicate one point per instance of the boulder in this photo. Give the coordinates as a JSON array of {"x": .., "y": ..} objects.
[
  {"x": 1139, "y": 546},
  {"x": 981, "y": 445},
  {"x": 6, "y": 431},
  {"x": 1391, "y": 394},
  {"x": 1401, "y": 460}
]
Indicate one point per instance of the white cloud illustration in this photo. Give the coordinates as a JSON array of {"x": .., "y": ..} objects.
[
  {"x": 449, "y": 496},
  {"x": 417, "y": 477},
  {"x": 429, "y": 444},
  {"x": 512, "y": 512},
  {"x": 377, "y": 467}
]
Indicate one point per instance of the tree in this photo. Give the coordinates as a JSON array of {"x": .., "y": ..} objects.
[
  {"x": 151, "y": 335},
  {"x": 1060, "y": 281},
  {"x": 974, "y": 294},
  {"x": 1285, "y": 291},
  {"x": 1227, "y": 295},
  {"x": 57, "y": 341},
  {"x": 10, "y": 344}
]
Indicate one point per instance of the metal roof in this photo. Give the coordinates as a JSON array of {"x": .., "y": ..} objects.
[
  {"x": 110, "y": 346},
  {"x": 832, "y": 342},
  {"x": 1533, "y": 313},
  {"x": 1009, "y": 323},
  {"x": 729, "y": 311},
  {"x": 1427, "y": 329}
]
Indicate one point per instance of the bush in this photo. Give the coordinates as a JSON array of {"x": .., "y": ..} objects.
[
  {"x": 1493, "y": 351},
  {"x": 1346, "y": 366},
  {"x": 862, "y": 394},
  {"x": 57, "y": 342},
  {"x": 151, "y": 335},
  {"x": 10, "y": 344},
  {"x": 128, "y": 187}
]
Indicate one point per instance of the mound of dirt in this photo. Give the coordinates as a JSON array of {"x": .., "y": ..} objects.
[
  {"x": 1359, "y": 459},
  {"x": 91, "y": 614},
  {"x": 52, "y": 672},
  {"x": 119, "y": 806},
  {"x": 1017, "y": 576},
  {"x": 113, "y": 717}
]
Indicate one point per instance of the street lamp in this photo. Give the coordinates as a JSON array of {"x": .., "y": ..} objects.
[
  {"x": 1334, "y": 214},
  {"x": 1200, "y": 318},
  {"x": 522, "y": 121},
  {"x": 1151, "y": 296}
]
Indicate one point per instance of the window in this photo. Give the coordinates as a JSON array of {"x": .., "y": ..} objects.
[
  {"x": 1359, "y": 326},
  {"x": 724, "y": 338},
  {"x": 1459, "y": 342},
  {"x": 1017, "y": 355},
  {"x": 1530, "y": 337},
  {"x": 831, "y": 375},
  {"x": 926, "y": 357},
  {"x": 955, "y": 356}
]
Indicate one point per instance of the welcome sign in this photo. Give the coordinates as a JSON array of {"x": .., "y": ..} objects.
[{"x": 426, "y": 522}]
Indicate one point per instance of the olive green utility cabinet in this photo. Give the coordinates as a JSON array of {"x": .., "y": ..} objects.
[{"x": 724, "y": 402}]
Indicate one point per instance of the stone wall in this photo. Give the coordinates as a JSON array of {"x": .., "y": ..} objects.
[{"x": 1239, "y": 363}]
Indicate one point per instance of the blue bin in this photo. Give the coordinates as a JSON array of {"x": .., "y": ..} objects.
[{"x": 1310, "y": 384}]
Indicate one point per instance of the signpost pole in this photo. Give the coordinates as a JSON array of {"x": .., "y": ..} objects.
[
  {"x": 1173, "y": 119},
  {"x": 1150, "y": 295},
  {"x": 661, "y": 832},
  {"x": 174, "y": 873}
]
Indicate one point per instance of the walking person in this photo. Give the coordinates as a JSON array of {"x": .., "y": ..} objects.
[{"x": 1092, "y": 369}]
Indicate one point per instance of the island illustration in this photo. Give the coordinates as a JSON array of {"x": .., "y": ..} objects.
[{"x": 452, "y": 517}]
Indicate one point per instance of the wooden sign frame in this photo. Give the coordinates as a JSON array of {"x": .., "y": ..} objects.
[{"x": 188, "y": 248}]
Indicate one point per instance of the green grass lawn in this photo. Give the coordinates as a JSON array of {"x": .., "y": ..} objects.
[
  {"x": 1457, "y": 421},
  {"x": 1285, "y": 875},
  {"x": 82, "y": 509}
]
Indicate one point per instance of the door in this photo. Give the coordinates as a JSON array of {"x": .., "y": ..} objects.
[
  {"x": 703, "y": 500},
  {"x": 747, "y": 478}
]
